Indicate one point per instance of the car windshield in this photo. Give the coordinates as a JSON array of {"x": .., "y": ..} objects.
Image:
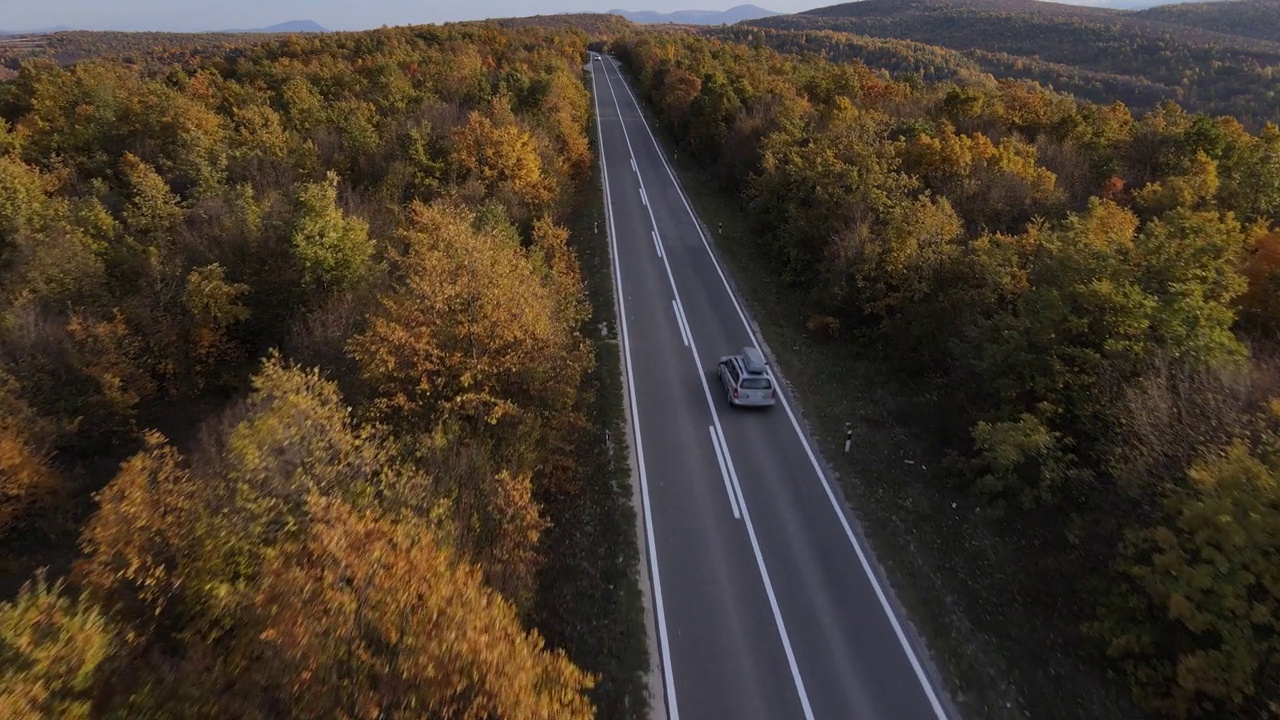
[{"x": 755, "y": 383}]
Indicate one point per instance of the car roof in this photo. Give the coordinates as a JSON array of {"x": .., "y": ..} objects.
[{"x": 753, "y": 360}]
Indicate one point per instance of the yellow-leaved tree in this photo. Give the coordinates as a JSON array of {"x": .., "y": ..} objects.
[
  {"x": 478, "y": 346},
  {"x": 472, "y": 334},
  {"x": 50, "y": 648},
  {"x": 286, "y": 571},
  {"x": 502, "y": 159}
]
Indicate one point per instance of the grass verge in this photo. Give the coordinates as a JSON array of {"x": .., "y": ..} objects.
[
  {"x": 590, "y": 602},
  {"x": 971, "y": 584}
]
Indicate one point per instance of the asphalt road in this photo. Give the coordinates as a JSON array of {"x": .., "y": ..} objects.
[{"x": 765, "y": 603}]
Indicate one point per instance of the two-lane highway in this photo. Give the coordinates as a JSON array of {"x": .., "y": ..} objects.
[{"x": 766, "y": 605}]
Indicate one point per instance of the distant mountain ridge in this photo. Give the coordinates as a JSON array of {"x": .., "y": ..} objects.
[
  {"x": 291, "y": 26},
  {"x": 697, "y": 17},
  {"x": 40, "y": 31}
]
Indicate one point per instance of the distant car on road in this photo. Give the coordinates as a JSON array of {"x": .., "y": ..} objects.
[{"x": 746, "y": 380}]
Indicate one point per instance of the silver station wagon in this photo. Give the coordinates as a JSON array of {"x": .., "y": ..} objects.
[{"x": 746, "y": 380}]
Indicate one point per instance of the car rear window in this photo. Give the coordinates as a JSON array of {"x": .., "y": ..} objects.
[{"x": 756, "y": 383}]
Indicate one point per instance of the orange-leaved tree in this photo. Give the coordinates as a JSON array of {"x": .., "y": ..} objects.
[
  {"x": 372, "y": 617},
  {"x": 235, "y": 575},
  {"x": 29, "y": 484}
]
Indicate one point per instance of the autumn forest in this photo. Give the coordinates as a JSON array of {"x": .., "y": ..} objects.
[
  {"x": 305, "y": 319},
  {"x": 305, "y": 404}
]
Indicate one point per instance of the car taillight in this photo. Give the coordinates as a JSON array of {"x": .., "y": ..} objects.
[{"x": 735, "y": 392}]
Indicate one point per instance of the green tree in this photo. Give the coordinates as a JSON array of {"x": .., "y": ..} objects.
[
  {"x": 1190, "y": 262},
  {"x": 51, "y": 647},
  {"x": 1195, "y": 623},
  {"x": 1194, "y": 190},
  {"x": 8, "y": 142},
  {"x": 23, "y": 207},
  {"x": 1250, "y": 175},
  {"x": 333, "y": 248},
  {"x": 152, "y": 211},
  {"x": 45, "y": 256},
  {"x": 843, "y": 184}
]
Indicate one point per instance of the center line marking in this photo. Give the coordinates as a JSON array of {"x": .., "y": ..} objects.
[
  {"x": 733, "y": 474},
  {"x": 724, "y": 473},
  {"x": 684, "y": 332},
  {"x": 684, "y": 321}
]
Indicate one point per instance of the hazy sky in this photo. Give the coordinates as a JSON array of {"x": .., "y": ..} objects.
[{"x": 333, "y": 14}]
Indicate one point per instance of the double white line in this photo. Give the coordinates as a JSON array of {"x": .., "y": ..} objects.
[
  {"x": 726, "y": 470},
  {"x": 684, "y": 324}
]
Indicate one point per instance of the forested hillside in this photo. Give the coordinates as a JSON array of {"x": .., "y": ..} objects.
[
  {"x": 595, "y": 25},
  {"x": 174, "y": 48},
  {"x": 1247, "y": 18},
  {"x": 1098, "y": 54},
  {"x": 911, "y": 61},
  {"x": 132, "y": 47},
  {"x": 1093, "y": 296},
  {"x": 295, "y": 353}
]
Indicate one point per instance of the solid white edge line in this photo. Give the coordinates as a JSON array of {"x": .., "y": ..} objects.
[
  {"x": 668, "y": 676},
  {"x": 746, "y": 514},
  {"x": 724, "y": 473},
  {"x": 684, "y": 333},
  {"x": 657, "y": 245},
  {"x": 644, "y": 199},
  {"x": 817, "y": 467}
]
